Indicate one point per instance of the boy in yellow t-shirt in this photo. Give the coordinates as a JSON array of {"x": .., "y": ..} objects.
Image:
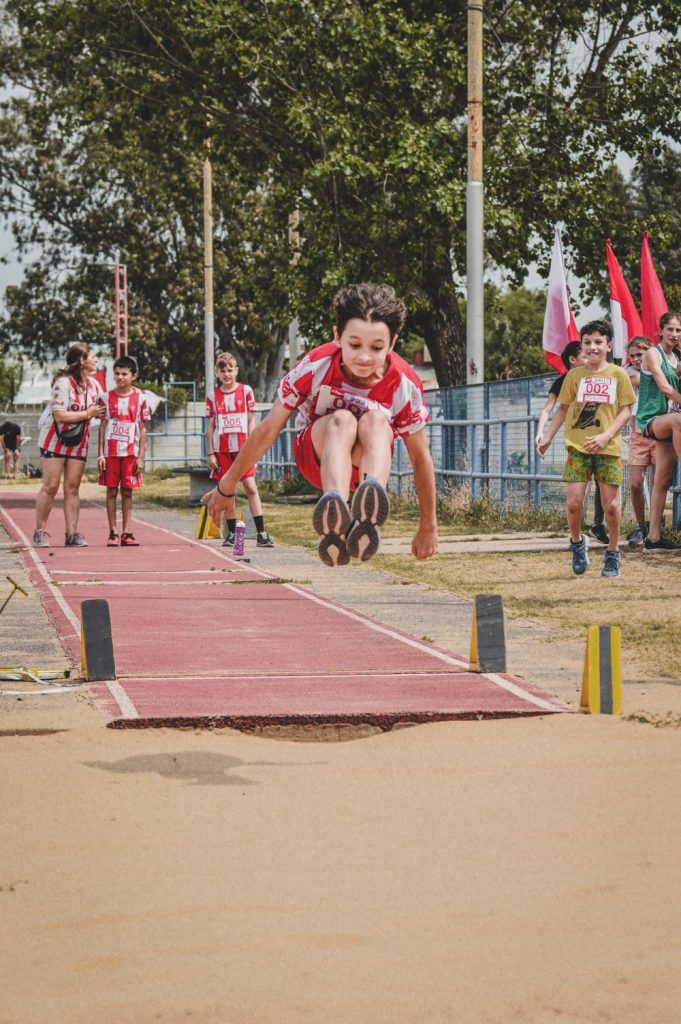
[{"x": 596, "y": 399}]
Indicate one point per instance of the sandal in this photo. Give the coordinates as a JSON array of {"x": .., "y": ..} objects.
[
  {"x": 128, "y": 541},
  {"x": 113, "y": 540}
]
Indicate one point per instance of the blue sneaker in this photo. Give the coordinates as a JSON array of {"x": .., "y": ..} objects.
[
  {"x": 580, "y": 559},
  {"x": 612, "y": 563}
]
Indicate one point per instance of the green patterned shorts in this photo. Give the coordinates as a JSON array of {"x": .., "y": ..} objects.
[{"x": 580, "y": 466}]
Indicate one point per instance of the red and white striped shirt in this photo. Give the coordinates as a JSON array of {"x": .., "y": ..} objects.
[
  {"x": 229, "y": 411},
  {"x": 317, "y": 386},
  {"x": 122, "y": 422},
  {"x": 69, "y": 396}
]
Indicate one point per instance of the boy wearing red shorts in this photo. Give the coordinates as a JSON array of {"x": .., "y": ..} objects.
[
  {"x": 230, "y": 417},
  {"x": 122, "y": 441}
]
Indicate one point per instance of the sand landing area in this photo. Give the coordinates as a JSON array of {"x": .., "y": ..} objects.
[{"x": 463, "y": 872}]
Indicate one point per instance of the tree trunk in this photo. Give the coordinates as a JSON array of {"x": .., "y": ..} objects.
[{"x": 441, "y": 326}]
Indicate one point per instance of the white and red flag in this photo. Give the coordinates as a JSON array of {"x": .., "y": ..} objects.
[
  {"x": 559, "y": 323},
  {"x": 626, "y": 323},
  {"x": 653, "y": 302}
]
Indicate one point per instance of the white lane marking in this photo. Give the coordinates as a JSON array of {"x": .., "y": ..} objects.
[
  {"x": 125, "y": 704},
  {"x": 159, "y": 583},
  {"x": 506, "y": 684},
  {"x": 38, "y": 693}
]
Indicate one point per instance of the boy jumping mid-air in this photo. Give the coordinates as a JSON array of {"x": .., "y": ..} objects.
[
  {"x": 597, "y": 400},
  {"x": 354, "y": 395}
]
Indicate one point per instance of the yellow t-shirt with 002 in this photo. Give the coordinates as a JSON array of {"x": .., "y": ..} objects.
[{"x": 594, "y": 400}]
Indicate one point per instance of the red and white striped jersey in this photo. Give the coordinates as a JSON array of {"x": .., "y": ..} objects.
[
  {"x": 317, "y": 386},
  {"x": 122, "y": 422},
  {"x": 229, "y": 411},
  {"x": 69, "y": 396}
]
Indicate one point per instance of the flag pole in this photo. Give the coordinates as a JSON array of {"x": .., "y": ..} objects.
[{"x": 475, "y": 345}]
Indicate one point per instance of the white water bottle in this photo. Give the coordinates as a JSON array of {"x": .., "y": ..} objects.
[{"x": 239, "y": 536}]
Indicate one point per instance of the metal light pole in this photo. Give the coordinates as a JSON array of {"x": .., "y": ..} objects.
[
  {"x": 294, "y": 245},
  {"x": 209, "y": 319},
  {"x": 475, "y": 314},
  {"x": 120, "y": 308}
]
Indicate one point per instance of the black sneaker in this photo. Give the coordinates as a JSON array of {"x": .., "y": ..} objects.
[
  {"x": 331, "y": 520},
  {"x": 228, "y": 542},
  {"x": 263, "y": 540},
  {"x": 659, "y": 545},
  {"x": 638, "y": 536},
  {"x": 598, "y": 532},
  {"x": 370, "y": 508}
]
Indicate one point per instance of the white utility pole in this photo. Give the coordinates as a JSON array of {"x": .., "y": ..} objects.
[
  {"x": 475, "y": 312},
  {"x": 209, "y": 319}
]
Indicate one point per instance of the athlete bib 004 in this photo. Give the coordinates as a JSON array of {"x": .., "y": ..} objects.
[
  {"x": 329, "y": 399},
  {"x": 121, "y": 431},
  {"x": 602, "y": 390}
]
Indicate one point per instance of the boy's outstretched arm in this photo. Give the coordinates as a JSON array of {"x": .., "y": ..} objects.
[
  {"x": 556, "y": 423},
  {"x": 257, "y": 443},
  {"x": 424, "y": 543},
  {"x": 544, "y": 417}
]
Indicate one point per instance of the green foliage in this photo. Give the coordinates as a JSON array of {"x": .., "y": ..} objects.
[
  {"x": 513, "y": 333},
  {"x": 352, "y": 114},
  {"x": 10, "y": 381}
]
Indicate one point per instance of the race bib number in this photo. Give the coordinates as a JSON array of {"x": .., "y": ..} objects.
[
  {"x": 232, "y": 423},
  {"x": 330, "y": 399},
  {"x": 602, "y": 390},
  {"x": 121, "y": 431}
]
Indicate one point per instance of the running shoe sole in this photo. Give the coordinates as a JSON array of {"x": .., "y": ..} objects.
[
  {"x": 331, "y": 520},
  {"x": 370, "y": 508}
]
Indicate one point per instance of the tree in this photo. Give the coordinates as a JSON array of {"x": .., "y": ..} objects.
[
  {"x": 513, "y": 330},
  {"x": 352, "y": 113}
]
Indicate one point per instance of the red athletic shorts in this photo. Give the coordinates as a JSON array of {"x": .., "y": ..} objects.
[
  {"x": 225, "y": 460},
  {"x": 307, "y": 461},
  {"x": 119, "y": 470}
]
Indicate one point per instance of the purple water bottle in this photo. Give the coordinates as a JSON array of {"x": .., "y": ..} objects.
[{"x": 239, "y": 535}]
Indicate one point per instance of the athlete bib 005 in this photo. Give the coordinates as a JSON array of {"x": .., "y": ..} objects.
[
  {"x": 232, "y": 423},
  {"x": 329, "y": 399},
  {"x": 602, "y": 390}
]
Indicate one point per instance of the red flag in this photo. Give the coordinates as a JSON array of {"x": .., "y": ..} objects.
[
  {"x": 626, "y": 323},
  {"x": 559, "y": 323},
  {"x": 100, "y": 375},
  {"x": 653, "y": 302}
]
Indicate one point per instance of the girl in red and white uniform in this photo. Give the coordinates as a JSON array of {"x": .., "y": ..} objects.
[
  {"x": 230, "y": 417},
  {"x": 122, "y": 442},
  {"x": 354, "y": 395},
  {"x": 75, "y": 394}
]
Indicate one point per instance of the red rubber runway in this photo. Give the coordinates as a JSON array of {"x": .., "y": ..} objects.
[{"x": 200, "y": 636}]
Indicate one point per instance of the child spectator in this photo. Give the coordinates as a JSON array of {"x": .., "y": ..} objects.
[
  {"x": 122, "y": 442},
  {"x": 230, "y": 418},
  {"x": 597, "y": 398},
  {"x": 10, "y": 440},
  {"x": 353, "y": 396},
  {"x": 572, "y": 355},
  {"x": 658, "y": 418},
  {"x": 641, "y": 449}
]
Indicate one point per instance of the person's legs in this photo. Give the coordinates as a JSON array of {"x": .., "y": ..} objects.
[
  {"x": 15, "y": 461},
  {"x": 126, "y": 509},
  {"x": 111, "y": 496},
  {"x": 374, "y": 446},
  {"x": 252, "y": 495},
  {"x": 73, "y": 474},
  {"x": 334, "y": 437},
  {"x": 613, "y": 514},
  {"x": 636, "y": 489},
  {"x": 52, "y": 472},
  {"x": 574, "y": 509},
  {"x": 665, "y": 460}
]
